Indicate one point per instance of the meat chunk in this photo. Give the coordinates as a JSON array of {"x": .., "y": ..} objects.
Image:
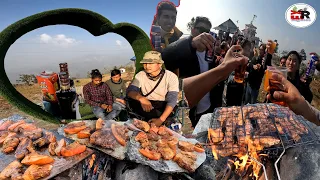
[
  {"x": 186, "y": 146},
  {"x": 4, "y": 125},
  {"x": 3, "y": 136},
  {"x": 14, "y": 125},
  {"x": 73, "y": 149},
  {"x": 12, "y": 170},
  {"x": 74, "y": 128},
  {"x": 37, "y": 159},
  {"x": 153, "y": 128},
  {"x": 103, "y": 138},
  {"x": 25, "y": 127},
  {"x": 99, "y": 124},
  {"x": 186, "y": 160},
  {"x": 84, "y": 133},
  {"x": 34, "y": 134},
  {"x": 52, "y": 147},
  {"x": 25, "y": 147},
  {"x": 142, "y": 138},
  {"x": 120, "y": 133},
  {"x": 45, "y": 140},
  {"x": 144, "y": 126},
  {"x": 62, "y": 143},
  {"x": 163, "y": 131},
  {"x": 37, "y": 172},
  {"x": 215, "y": 135},
  {"x": 150, "y": 154},
  {"x": 10, "y": 143}
]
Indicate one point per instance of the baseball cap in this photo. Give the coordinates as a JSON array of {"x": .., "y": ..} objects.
[{"x": 152, "y": 57}]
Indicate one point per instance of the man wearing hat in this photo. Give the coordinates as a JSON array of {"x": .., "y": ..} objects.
[{"x": 153, "y": 92}]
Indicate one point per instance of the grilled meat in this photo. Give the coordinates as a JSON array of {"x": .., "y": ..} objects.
[
  {"x": 103, "y": 138},
  {"x": 10, "y": 143},
  {"x": 120, "y": 133},
  {"x": 153, "y": 128},
  {"x": 215, "y": 135},
  {"x": 73, "y": 149},
  {"x": 186, "y": 146},
  {"x": 166, "y": 152},
  {"x": 14, "y": 125},
  {"x": 142, "y": 138},
  {"x": 163, "y": 131},
  {"x": 52, "y": 147},
  {"x": 34, "y": 134},
  {"x": 25, "y": 127},
  {"x": 74, "y": 128},
  {"x": 45, "y": 140},
  {"x": 99, "y": 124},
  {"x": 186, "y": 160},
  {"x": 62, "y": 143},
  {"x": 11, "y": 171},
  {"x": 153, "y": 136},
  {"x": 37, "y": 172},
  {"x": 150, "y": 154},
  {"x": 144, "y": 126},
  {"x": 3, "y": 136},
  {"x": 84, "y": 133},
  {"x": 4, "y": 125},
  {"x": 25, "y": 147},
  {"x": 37, "y": 159}
]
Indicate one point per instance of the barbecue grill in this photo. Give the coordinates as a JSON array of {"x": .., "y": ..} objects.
[{"x": 266, "y": 117}]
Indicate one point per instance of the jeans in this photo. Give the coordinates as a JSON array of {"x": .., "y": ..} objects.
[
  {"x": 101, "y": 113},
  {"x": 251, "y": 95}
]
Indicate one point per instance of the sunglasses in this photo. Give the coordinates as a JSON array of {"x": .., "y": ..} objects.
[{"x": 202, "y": 29}]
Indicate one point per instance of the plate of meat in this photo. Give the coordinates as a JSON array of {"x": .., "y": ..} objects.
[{"x": 164, "y": 150}]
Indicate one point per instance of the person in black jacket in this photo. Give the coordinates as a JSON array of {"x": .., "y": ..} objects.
[{"x": 188, "y": 55}]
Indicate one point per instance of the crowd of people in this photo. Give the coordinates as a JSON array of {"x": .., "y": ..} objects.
[{"x": 153, "y": 93}]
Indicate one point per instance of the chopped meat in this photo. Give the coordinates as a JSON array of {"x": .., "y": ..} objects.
[
  {"x": 12, "y": 170},
  {"x": 153, "y": 128},
  {"x": 34, "y": 134},
  {"x": 99, "y": 124},
  {"x": 103, "y": 138},
  {"x": 52, "y": 147},
  {"x": 186, "y": 146},
  {"x": 3, "y": 136},
  {"x": 62, "y": 143},
  {"x": 144, "y": 126},
  {"x": 120, "y": 133},
  {"x": 186, "y": 160},
  {"x": 153, "y": 136},
  {"x": 37, "y": 172},
  {"x": 73, "y": 149},
  {"x": 84, "y": 133},
  {"x": 45, "y": 140},
  {"x": 150, "y": 154},
  {"x": 37, "y": 159},
  {"x": 4, "y": 126},
  {"x": 25, "y": 127},
  {"x": 167, "y": 153},
  {"x": 74, "y": 128},
  {"x": 163, "y": 131},
  {"x": 14, "y": 125},
  {"x": 10, "y": 143},
  {"x": 25, "y": 147}
]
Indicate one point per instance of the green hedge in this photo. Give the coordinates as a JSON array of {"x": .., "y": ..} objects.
[{"x": 93, "y": 22}]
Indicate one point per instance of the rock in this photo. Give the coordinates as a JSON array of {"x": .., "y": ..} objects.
[
  {"x": 301, "y": 163},
  {"x": 203, "y": 123},
  {"x": 131, "y": 171}
]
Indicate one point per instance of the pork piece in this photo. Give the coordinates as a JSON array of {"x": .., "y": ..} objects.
[
  {"x": 215, "y": 135},
  {"x": 166, "y": 152},
  {"x": 25, "y": 147},
  {"x": 186, "y": 146},
  {"x": 34, "y": 134},
  {"x": 144, "y": 126},
  {"x": 74, "y": 128},
  {"x": 37, "y": 159},
  {"x": 25, "y": 127},
  {"x": 13, "y": 169},
  {"x": 62, "y": 143},
  {"x": 14, "y": 125},
  {"x": 37, "y": 172},
  {"x": 3, "y": 135},
  {"x": 266, "y": 141},
  {"x": 172, "y": 142},
  {"x": 163, "y": 131},
  {"x": 150, "y": 154},
  {"x": 4, "y": 126},
  {"x": 99, "y": 124},
  {"x": 103, "y": 138},
  {"x": 297, "y": 124},
  {"x": 73, "y": 149},
  {"x": 45, "y": 140},
  {"x": 10, "y": 143},
  {"x": 153, "y": 136},
  {"x": 52, "y": 147},
  {"x": 186, "y": 160},
  {"x": 142, "y": 138},
  {"x": 84, "y": 133},
  {"x": 153, "y": 128},
  {"x": 120, "y": 133}
]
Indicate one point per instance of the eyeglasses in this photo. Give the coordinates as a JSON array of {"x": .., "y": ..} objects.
[{"x": 202, "y": 29}]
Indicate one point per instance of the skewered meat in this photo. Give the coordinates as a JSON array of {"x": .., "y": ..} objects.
[
  {"x": 150, "y": 154},
  {"x": 37, "y": 159},
  {"x": 186, "y": 160},
  {"x": 10, "y": 143},
  {"x": 144, "y": 126},
  {"x": 99, "y": 124},
  {"x": 4, "y": 126},
  {"x": 37, "y": 172},
  {"x": 84, "y": 133},
  {"x": 103, "y": 138},
  {"x": 3, "y": 135},
  {"x": 74, "y": 128},
  {"x": 14, "y": 125},
  {"x": 45, "y": 140},
  {"x": 25, "y": 147},
  {"x": 52, "y": 147},
  {"x": 12, "y": 170},
  {"x": 62, "y": 143},
  {"x": 186, "y": 146},
  {"x": 34, "y": 134},
  {"x": 73, "y": 149}
]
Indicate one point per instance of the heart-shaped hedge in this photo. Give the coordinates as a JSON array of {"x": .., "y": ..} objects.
[{"x": 92, "y": 22}]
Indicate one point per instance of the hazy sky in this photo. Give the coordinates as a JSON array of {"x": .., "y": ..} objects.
[{"x": 45, "y": 48}]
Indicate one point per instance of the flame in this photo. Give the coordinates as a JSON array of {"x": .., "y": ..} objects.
[{"x": 92, "y": 159}]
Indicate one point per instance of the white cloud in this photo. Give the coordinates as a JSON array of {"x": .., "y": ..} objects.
[
  {"x": 59, "y": 40},
  {"x": 118, "y": 42}
]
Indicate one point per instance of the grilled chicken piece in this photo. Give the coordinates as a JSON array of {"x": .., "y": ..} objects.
[
  {"x": 12, "y": 170},
  {"x": 99, "y": 124},
  {"x": 45, "y": 140},
  {"x": 185, "y": 160},
  {"x": 37, "y": 159},
  {"x": 103, "y": 138},
  {"x": 52, "y": 147},
  {"x": 3, "y": 136},
  {"x": 37, "y": 172},
  {"x": 186, "y": 146},
  {"x": 14, "y": 125},
  {"x": 25, "y": 127},
  {"x": 25, "y": 147},
  {"x": 84, "y": 133},
  {"x": 62, "y": 143},
  {"x": 4, "y": 126},
  {"x": 73, "y": 149},
  {"x": 74, "y": 128},
  {"x": 34, "y": 134},
  {"x": 10, "y": 143},
  {"x": 144, "y": 126}
]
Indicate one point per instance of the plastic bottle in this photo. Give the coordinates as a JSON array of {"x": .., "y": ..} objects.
[
  {"x": 156, "y": 37},
  {"x": 210, "y": 53},
  {"x": 312, "y": 65}
]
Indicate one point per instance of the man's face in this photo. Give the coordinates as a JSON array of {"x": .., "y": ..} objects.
[
  {"x": 292, "y": 63},
  {"x": 283, "y": 62},
  {"x": 200, "y": 28},
  {"x": 116, "y": 78},
  {"x": 97, "y": 81},
  {"x": 167, "y": 20},
  {"x": 151, "y": 67}
]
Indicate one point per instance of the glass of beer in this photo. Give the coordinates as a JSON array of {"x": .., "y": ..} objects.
[
  {"x": 275, "y": 85},
  {"x": 239, "y": 74},
  {"x": 272, "y": 47}
]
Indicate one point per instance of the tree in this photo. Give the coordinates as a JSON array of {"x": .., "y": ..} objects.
[
  {"x": 284, "y": 53},
  {"x": 129, "y": 69},
  {"x": 303, "y": 55},
  {"x": 115, "y": 67},
  {"x": 191, "y": 24},
  {"x": 28, "y": 79}
]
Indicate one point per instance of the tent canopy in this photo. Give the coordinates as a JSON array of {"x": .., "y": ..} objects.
[{"x": 227, "y": 24}]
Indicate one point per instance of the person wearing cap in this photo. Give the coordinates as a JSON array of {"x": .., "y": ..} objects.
[{"x": 153, "y": 93}]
